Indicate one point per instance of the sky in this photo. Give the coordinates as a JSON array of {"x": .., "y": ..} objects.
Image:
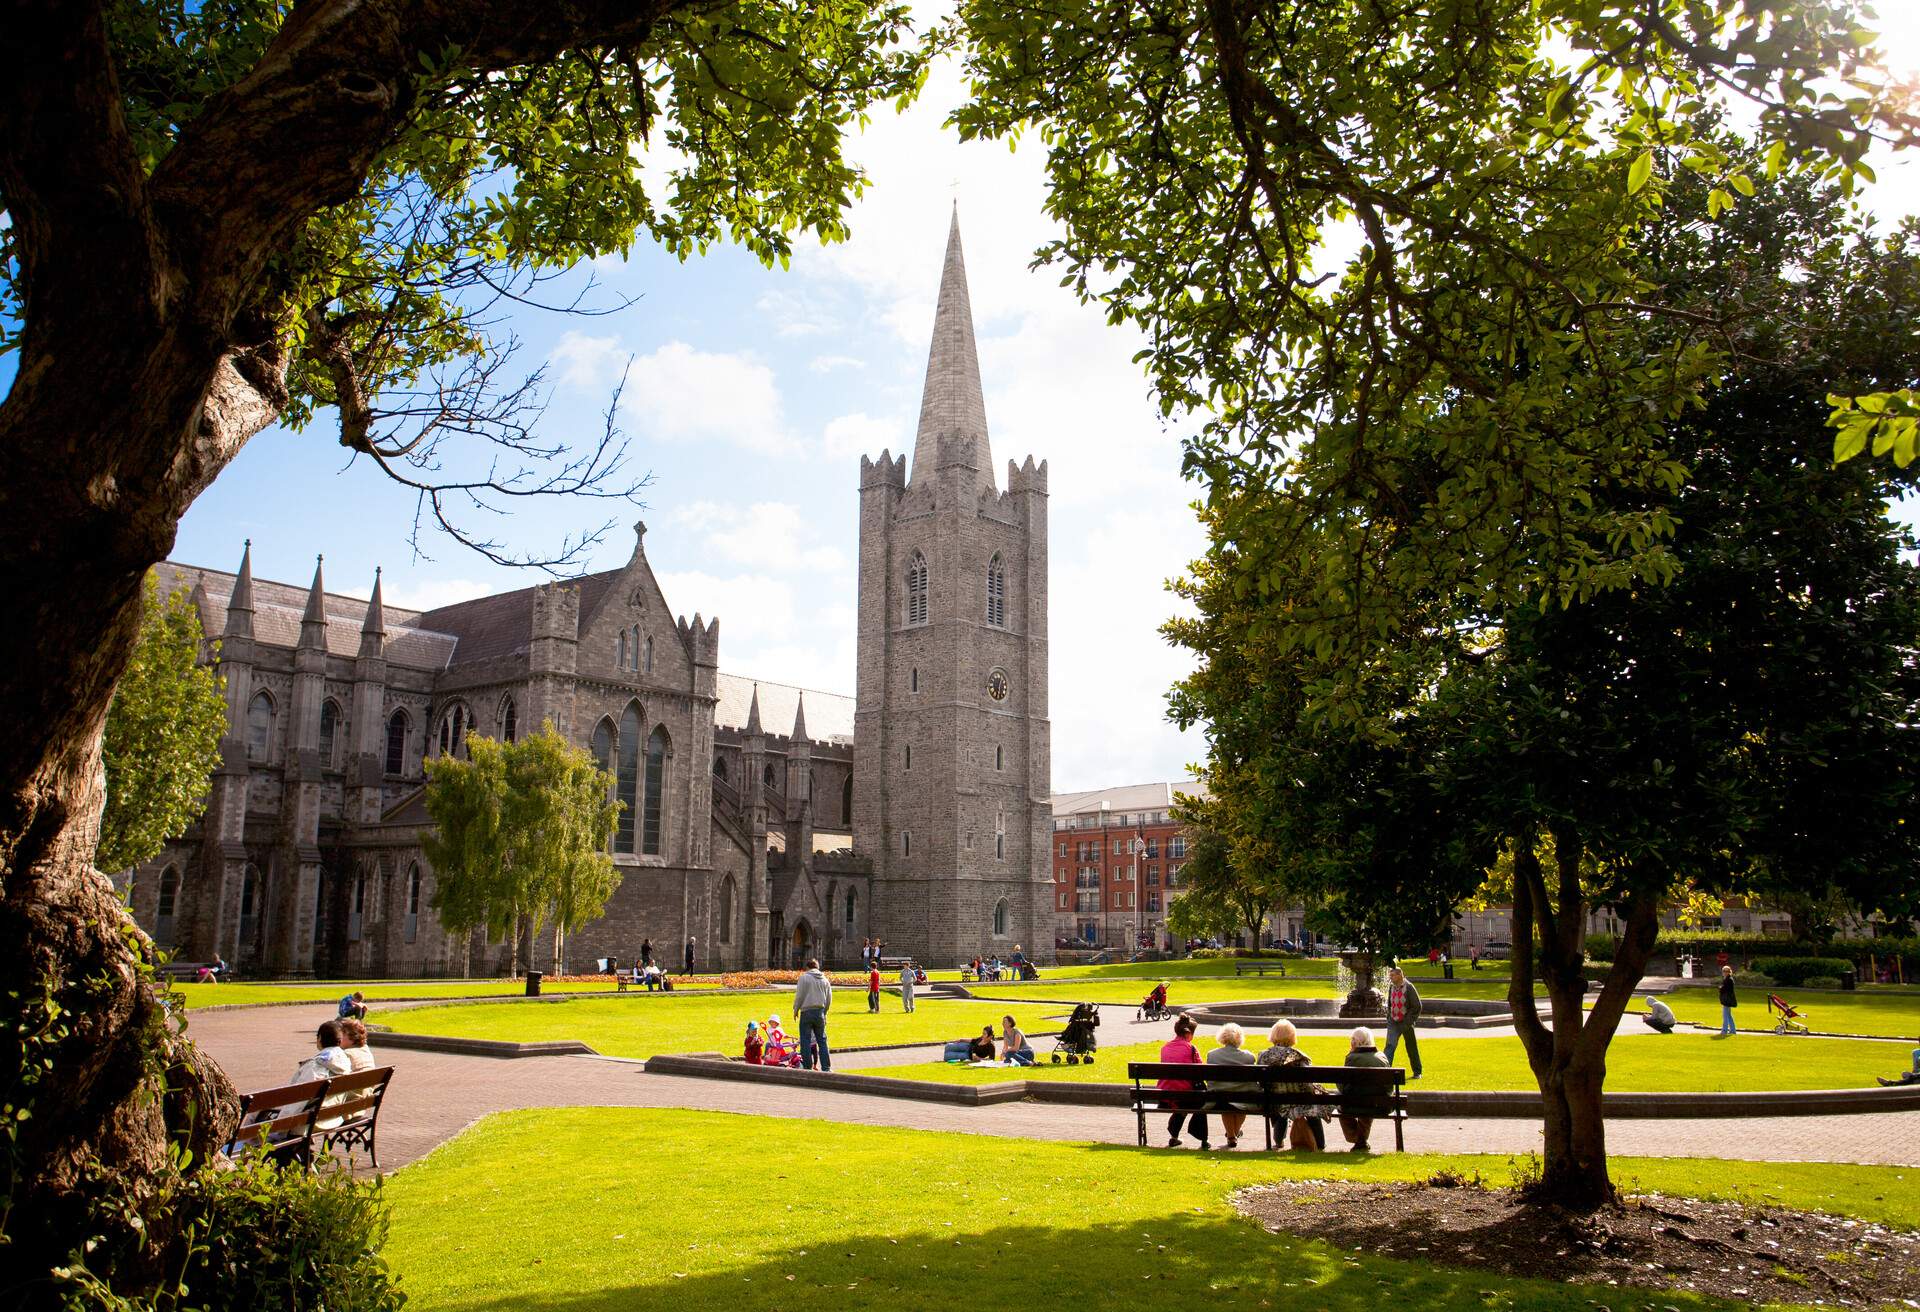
[{"x": 751, "y": 395}]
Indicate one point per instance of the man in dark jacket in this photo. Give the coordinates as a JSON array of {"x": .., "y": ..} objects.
[
  {"x": 689, "y": 956},
  {"x": 1728, "y": 1001},
  {"x": 1403, "y": 1012},
  {"x": 1358, "y": 1127}
]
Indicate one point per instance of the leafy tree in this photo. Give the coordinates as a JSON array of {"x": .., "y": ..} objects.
[
  {"x": 1218, "y": 894},
  {"x": 1201, "y": 152},
  {"x": 218, "y": 216},
  {"x": 522, "y": 833},
  {"x": 162, "y": 740},
  {"x": 1743, "y": 729}
]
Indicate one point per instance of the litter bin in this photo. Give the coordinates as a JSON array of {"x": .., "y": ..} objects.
[
  {"x": 1849, "y": 978},
  {"x": 533, "y": 983}
]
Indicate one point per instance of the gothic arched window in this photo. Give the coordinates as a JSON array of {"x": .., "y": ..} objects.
[
  {"x": 766, "y": 777},
  {"x": 260, "y": 727},
  {"x": 163, "y": 914},
  {"x": 329, "y": 733},
  {"x": 1000, "y": 918},
  {"x": 720, "y": 767},
  {"x": 996, "y": 592},
  {"x": 626, "y": 786},
  {"x": 623, "y": 649},
  {"x": 453, "y": 730},
  {"x": 846, "y": 801},
  {"x": 648, "y": 657},
  {"x": 657, "y": 744},
  {"x": 397, "y": 743},
  {"x": 850, "y": 906},
  {"x": 509, "y": 721},
  {"x": 726, "y": 909},
  {"x": 917, "y": 589}
]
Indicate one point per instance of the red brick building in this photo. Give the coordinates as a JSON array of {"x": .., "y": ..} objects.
[{"x": 1117, "y": 854}]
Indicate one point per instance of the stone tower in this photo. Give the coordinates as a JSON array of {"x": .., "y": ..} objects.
[{"x": 952, "y": 766}]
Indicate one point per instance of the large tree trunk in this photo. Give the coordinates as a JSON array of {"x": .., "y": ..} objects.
[{"x": 1569, "y": 1060}]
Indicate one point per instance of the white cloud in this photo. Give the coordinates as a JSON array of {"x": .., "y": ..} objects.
[
  {"x": 826, "y": 364},
  {"x": 583, "y": 360},
  {"x": 860, "y": 434},
  {"x": 680, "y": 394},
  {"x": 770, "y": 535},
  {"x": 752, "y": 608},
  {"x": 431, "y": 594},
  {"x": 794, "y": 316}
]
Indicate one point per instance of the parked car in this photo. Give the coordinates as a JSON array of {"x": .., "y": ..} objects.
[{"x": 1497, "y": 950}]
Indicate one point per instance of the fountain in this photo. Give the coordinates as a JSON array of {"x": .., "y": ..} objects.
[{"x": 1353, "y": 981}]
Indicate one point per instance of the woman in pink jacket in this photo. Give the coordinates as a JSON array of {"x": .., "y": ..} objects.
[{"x": 1180, "y": 1049}]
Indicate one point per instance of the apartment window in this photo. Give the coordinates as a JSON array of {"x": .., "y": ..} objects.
[
  {"x": 1153, "y": 848},
  {"x": 1177, "y": 846},
  {"x": 1063, "y": 849},
  {"x": 1119, "y": 846},
  {"x": 1153, "y": 901},
  {"x": 1153, "y": 876}
]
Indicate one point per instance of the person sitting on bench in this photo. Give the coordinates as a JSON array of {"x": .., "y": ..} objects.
[{"x": 1659, "y": 1015}]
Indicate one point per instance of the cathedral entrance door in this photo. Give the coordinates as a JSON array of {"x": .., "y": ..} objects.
[{"x": 802, "y": 943}]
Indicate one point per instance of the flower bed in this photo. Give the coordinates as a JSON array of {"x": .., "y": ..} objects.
[{"x": 760, "y": 979}]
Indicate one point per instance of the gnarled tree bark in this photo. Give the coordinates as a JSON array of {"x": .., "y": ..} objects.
[{"x": 150, "y": 354}]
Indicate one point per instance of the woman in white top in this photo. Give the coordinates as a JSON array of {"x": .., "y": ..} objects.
[{"x": 353, "y": 1042}]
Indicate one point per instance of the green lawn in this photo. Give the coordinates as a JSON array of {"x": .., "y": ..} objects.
[
  {"x": 648, "y": 1027},
  {"x": 227, "y": 995},
  {"x": 1180, "y": 992},
  {"x": 1201, "y": 968},
  {"x": 1890, "y": 1011},
  {"x": 605, "y": 1209},
  {"x": 1690, "y": 1063}
]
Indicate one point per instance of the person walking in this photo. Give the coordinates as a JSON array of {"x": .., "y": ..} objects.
[
  {"x": 1473, "y": 954},
  {"x": 906, "y": 986},
  {"x": 873, "y": 986},
  {"x": 1403, "y": 1013},
  {"x": 812, "y": 999},
  {"x": 646, "y": 952},
  {"x": 1728, "y": 1001},
  {"x": 690, "y": 943}
]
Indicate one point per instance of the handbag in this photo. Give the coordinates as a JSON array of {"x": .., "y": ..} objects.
[{"x": 1299, "y": 1136}]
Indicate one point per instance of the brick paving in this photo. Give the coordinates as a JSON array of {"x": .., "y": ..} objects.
[{"x": 435, "y": 1095}]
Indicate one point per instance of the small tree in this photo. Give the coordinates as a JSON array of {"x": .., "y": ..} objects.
[
  {"x": 162, "y": 740},
  {"x": 522, "y": 834}
]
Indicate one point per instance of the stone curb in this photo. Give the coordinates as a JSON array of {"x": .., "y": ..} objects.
[
  {"x": 1420, "y": 1103},
  {"x": 483, "y": 1047}
]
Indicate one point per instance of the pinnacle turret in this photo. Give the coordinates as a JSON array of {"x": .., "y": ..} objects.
[
  {"x": 373, "y": 629},
  {"x": 753, "y": 712},
  {"x": 240, "y": 604},
  {"x": 800, "y": 719},
  {"x": 953, "y": 412},
  {"x": 313, "y": 622}
]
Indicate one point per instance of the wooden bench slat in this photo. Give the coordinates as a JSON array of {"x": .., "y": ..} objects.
[{"x": 302, "y": 1113}]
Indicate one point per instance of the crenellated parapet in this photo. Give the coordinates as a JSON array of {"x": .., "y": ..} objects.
[
  {"x": 701, "y": 639},
  {"x": 886, "y": 472},
  {"x": 1027, "y": 478}
]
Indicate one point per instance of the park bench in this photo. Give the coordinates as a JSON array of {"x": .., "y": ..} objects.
[
  {"x": 1370, "y": 1091},
  {"x": 1260, "y": 968},
  {"x": 189, "y": 970},
  {"x": 288, "y": 1120}
]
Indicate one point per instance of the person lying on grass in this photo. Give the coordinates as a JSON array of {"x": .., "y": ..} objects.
[
  {"x": 1909, "y": 1076},
  {"x": 982, "y": 1048}
]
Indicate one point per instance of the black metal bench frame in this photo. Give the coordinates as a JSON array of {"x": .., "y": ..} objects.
[
  {"x": 1371, "y": 1092},
  {"x": 1260, "y": 968},
  {"x": 298, "y": 1109}
]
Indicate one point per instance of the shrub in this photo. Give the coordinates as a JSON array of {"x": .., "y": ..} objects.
[
  {"x": 264, "y": 1236},
  {"x": 1221, "y": 954},
  {"x": 1796, "y": 971},
  {"x": 1820, "y": 982},
  {"x": 1753, "y": 979}
]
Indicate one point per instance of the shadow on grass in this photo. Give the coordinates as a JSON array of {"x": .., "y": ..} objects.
[{"x": 1182, "y": 1260}]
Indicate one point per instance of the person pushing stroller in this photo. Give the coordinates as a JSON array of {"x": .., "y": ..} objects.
[{"x": 1154, "y": 1005}]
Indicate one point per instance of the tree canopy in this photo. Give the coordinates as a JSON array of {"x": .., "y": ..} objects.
[
  {"x": 162, "y": 741},
  {"x": 1743, "y": 728}
]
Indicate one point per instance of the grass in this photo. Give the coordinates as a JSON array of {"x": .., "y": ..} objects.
[
  {"x": 227, "y": 995},
  {"x": 1889, "y": 1011},
  {"x": 598, "y": 1209},
  {"x": 1200, "y": 968},
  {"x": 1678, "y": 1063},
  {"x": 647, "y": 1027}
]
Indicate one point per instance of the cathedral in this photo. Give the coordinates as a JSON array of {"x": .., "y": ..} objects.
[{"x": 768, "y": 822}]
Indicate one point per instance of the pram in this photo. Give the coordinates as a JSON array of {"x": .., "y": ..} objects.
[
  {"x": 1076, "y": 1043},
  {"x": 1027, "y": 971},
  {"x": 1154, "y": 1006},
  {"x": 1792, "y": 1019}
]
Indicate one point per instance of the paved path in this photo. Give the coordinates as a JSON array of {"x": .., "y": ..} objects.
[{"x": 434, "y": 1096}]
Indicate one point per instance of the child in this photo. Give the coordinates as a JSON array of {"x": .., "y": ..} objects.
[
  {"x": 756, "y": 1050},
  {"x": 779, "y": 1050},
  {"x": 873, "y": 988}
]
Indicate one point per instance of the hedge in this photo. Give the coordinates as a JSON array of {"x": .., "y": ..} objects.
[
  {"x": 1794, "y": 971},
  {"x": 1709, "y": 944},
  {"x": 1218, "y": 954}
]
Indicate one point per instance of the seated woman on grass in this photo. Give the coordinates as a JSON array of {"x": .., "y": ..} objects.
[
  {"x": 1014, "y": 1048},
  {"x": 982, "y": 1047}
]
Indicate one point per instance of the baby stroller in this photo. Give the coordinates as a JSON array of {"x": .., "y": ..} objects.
[
  {"x": 1076, "y": 1042},
  {"x": 1027, "y": 971},
  {"x": 1154, "y": 1007},
  {"x": 1792, "y": 1019}
]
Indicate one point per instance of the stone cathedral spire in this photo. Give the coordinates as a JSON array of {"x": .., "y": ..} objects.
[{"x": 953, "y": 412}]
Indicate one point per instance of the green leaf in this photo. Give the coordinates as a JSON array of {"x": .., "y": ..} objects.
[{"x": 1640, "y": 172}]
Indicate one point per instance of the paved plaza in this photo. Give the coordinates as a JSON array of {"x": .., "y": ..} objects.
[{"x": 436, "y": 1095}]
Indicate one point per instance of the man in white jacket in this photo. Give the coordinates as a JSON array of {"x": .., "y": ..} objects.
[{"x": 812, "y": 997}]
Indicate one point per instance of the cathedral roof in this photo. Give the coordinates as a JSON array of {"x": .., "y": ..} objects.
[
  {"x": 278, "y": 608},
  {"x": 829, "y": 715},
  {"x": 502, "y": 624},
  {"x": 953, "y": 412}
]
